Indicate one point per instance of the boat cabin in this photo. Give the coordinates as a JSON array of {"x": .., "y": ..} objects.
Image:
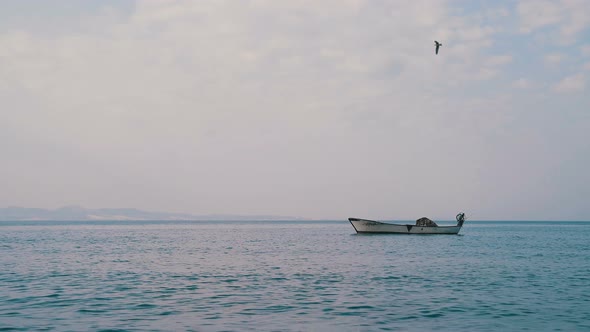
[{"x": 425, "y": 222}]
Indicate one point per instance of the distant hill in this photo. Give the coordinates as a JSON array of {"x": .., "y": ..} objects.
[{"x": 78, "y": 213}]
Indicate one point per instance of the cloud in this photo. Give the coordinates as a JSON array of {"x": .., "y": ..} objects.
[
  {"x": 565, "y": 18},
  {"x": 573, "y": 83},
  {"x": 271, "y": 107},
  {"x": 521, "y": 83},
  {"x": 499, "y": 60},
  {"x": 535, "y": 14},
  {"x": 586, "y": 66},
  {"x": 585, "y": 50},
  {"x": 227, "y": 104},
  {"x": 554, "y": 59},
  {"x": 577, "y": 19}
]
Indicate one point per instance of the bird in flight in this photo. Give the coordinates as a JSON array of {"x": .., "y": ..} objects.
[{"x": 437, "y": 45}]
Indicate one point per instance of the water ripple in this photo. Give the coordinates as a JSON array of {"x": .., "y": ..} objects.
[{"x": 291, "y": 277}]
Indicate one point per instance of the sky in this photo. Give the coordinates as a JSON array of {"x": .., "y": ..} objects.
[{"x": 318, "y": 109}]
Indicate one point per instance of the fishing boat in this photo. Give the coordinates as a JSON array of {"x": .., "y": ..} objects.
[{"x": 422, "y": 226}]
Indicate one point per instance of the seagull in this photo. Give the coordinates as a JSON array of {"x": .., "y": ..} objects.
[{"x": 437, "y": 44}]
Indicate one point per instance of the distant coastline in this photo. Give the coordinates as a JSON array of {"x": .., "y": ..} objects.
[{"x": 78, "y": 213}]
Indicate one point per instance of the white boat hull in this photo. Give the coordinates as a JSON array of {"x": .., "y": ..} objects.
[{"x": 371, "y": 226}]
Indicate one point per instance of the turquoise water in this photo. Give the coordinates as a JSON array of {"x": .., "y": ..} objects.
[{"x": 292, "y": 276}]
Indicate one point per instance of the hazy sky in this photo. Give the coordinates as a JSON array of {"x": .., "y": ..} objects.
[{"x": 319, "y": 109}]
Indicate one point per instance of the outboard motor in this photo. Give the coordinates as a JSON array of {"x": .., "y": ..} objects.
[{"x": 460, "y": 219}]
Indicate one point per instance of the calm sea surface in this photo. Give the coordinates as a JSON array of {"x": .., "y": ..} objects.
[{"x": 292, "y": 276}]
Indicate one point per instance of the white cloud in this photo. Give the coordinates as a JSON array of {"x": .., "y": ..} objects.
[
  {"x": 521, "y": 83},
  {"x": 578, "y": 18},
  {"x": 535, "y": 14},
  {"x": 496, "y": 13},
  {"x": 259, "y": 107},
  {"x": 568, "y": 17},
  {"x": 554, "y": 59},
  {"x": 499, "y": 60},
  {"x": 573, "y": 83},
  {"x": 485, "y": 74}
]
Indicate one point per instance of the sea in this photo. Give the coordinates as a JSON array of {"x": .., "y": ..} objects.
[{"x": 292, "y": 276}]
